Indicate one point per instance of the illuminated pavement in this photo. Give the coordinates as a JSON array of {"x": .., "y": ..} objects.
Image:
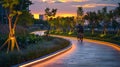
[{"x": 85, "y": 54}]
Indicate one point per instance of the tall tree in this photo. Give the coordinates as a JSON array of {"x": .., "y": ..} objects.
[
  {"x": 106, "y": 20},
  {"x": 26, "y": 19},
  {"x": 117, "y": 16},
  {"x": 92, "y": 18},
  {"x": 50, "y": 14},
  {"x": 13, "y": 13},
  {"x": 80, "y": 15}
]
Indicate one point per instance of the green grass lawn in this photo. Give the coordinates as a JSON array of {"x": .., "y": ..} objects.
[{"x": 96, "y": 36}]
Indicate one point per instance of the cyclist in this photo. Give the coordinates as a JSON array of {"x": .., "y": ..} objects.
[{"x": 80, "y": 32}]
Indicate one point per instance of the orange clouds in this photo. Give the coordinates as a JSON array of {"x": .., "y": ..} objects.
[
  {"x": 69, "y": 7},
  {"x": 36, "y": 16},
  {"x": 63, "y": 1},
  {"x": 80, "y": 0},
  {"x": 66, "y": 14},
  {"x": 93, "y": 5}
]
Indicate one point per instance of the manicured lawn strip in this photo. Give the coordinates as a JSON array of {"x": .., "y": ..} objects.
[
  {"x": 97, "y": 36},
  {"x": 112, "y": 38},
  {"x": 41, "y": 48}
]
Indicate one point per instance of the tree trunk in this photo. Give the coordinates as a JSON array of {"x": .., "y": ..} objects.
[
  {"x": 11, "y": 39},
  {"x": 92, "y": 31},
  {"x": 10, "y": 24},
  {"x": 118, "y": 32},
  {"x": 104, "y": 30}
]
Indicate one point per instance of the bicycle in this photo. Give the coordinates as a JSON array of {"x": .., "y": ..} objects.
[{"x": 80, "y": 37}]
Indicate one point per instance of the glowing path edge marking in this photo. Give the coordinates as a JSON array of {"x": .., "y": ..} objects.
[
  {"x": 48, "y": 57},
  {"x": 115, "y": 46}
]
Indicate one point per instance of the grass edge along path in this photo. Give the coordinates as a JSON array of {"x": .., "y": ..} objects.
[
  {"x": 44, "y": 58},
  {"x": 113, "y": 45},
  {"x": 106, "y": 39},
  {"x": 17, "y": 58}
]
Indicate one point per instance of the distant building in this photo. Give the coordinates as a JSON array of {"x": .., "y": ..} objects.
[{"x": 42, "y": 17}]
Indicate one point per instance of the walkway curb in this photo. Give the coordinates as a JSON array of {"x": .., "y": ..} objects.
[
  {"x": 44, "y": 58},
  {"x": 113, "y": 45}
]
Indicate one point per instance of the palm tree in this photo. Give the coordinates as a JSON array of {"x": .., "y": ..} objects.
[
  {"x": 80, "y": 15},
  {"x": 61, "y": 24},
  {"x": 49, "y": 14},
  {"x": 92, "y": 18},
  {"x": 117, "y": 16},
  {"x": 106, "y": 19}
]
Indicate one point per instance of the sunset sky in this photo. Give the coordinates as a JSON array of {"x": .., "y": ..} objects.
[{"x": 69, "y": 7}]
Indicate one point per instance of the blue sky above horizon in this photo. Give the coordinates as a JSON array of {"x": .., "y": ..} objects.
[{"x": 69, "y": 7}]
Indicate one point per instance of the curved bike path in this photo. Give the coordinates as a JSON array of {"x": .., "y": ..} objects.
[{"x": 86, "y": 54}]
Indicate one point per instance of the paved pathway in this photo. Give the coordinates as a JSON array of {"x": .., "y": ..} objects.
[{"x": 85, "y": 54}]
